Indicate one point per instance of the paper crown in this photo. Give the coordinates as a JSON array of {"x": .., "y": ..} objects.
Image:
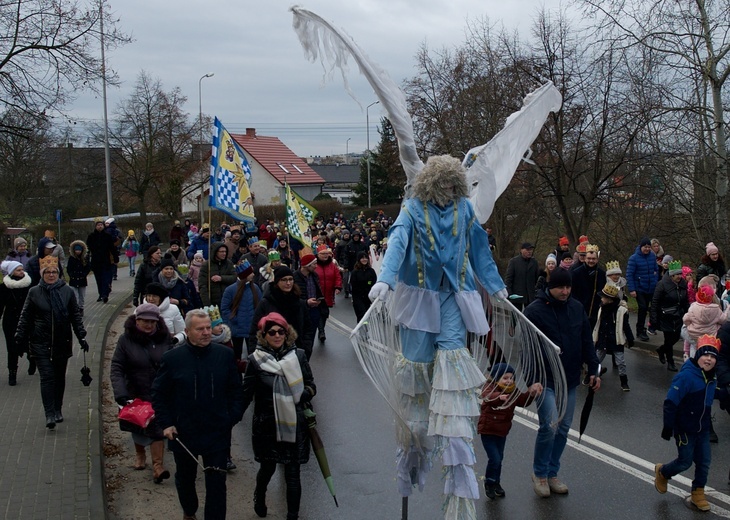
[
  {"x": 581, "y": 248},
  {"x": 592, "y": 248},
  {"x": 274, "y": 255},
  {"x": 215, "y": 315},
  {"x": 675, "y": 265},
  {"x": 253, "y": 240},
  {"x": 47, "y": 261},
  {"x": 613, "y": 267},
  {"x": 610, "y": 290},
  {"x": 583, "y": 239},
  {"x": 706, "y": 340},
  {"x": 244, "y": 269}
]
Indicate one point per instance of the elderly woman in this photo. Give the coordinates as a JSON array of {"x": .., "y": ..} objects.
[
  {"x": 169, "y": 278},
  {"x": 278, "y": 378},
  {"x": 133, "y": 369},
  {"x": 13, "y": 291},
  {"x": 668, "y": 306},
  {"x": 49, "y": 313}
]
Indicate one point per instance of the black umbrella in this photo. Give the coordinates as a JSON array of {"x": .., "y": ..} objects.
[
  {"x": 85, "y": 373},
  {"x": 587, "y": 407}
]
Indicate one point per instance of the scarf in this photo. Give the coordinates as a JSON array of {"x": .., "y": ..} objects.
[
  {"x": 58, "y": 307},
  {"x": 288, "y": 388},
  {"x": 169, "y": 284}
]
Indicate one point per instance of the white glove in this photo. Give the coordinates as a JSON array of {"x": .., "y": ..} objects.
[
  {"x": 379, "y": 291},
  {"x": 502, "y": 294}
]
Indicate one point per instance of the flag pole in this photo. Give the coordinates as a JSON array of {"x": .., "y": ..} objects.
[{"x": 210, "y": 235}]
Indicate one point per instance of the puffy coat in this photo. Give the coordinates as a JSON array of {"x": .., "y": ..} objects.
[
  {"x": 723, "y": 359},
  {"x": 258, "y": 385},
  {"x": 198, "y": 390},
  {"x": 149, "y": 240},
  {"x": 642, "y": 272},
  {"x": 78, "y": 268},
  {"x": 12, "y": 298},
  {"x": 173, "y": 320},
  {"x": 294, "y": 310},
  {"x": 223, "y": 268},
  {"x": 240, "y": 324},
  {"x": 136, "y": 360},
  {"x": 708, "y": 267},
  {"x": 495, "y": 419},
  {"x": 669, "y": 304},
  {"x": 145, "y": 276},
  {"x": 198, "y": 244},
  {"x": 330, "y": 280},
  {"x": 688, "y": 405},
  {"x": 39, "y": 328},
  {"x": 704, "y": 318},
  {"x": 361, "y": 281},
  {"x": 178, "y": 292}
]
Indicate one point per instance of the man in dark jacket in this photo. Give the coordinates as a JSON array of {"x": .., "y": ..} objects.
[
  {"x": 356, "y": 246},
  {"x": 588, "y": 281},
  {"x": 215, "y": 275},
  {"x": 307, "y": 280},
  {"x": 45, "y": 248},
  {"x": 522, "y": 274},
  {"x": 104, "y": 255},
  {"x": 257, "y": 258},
  {"x": 197, "y": 395},
  {"x": 563, "y": 320},
  {"x": 341, "y": 258},
  {"x": 642, "y": 275}
]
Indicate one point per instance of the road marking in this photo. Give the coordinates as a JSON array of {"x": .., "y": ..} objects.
[{"x": 638, "y": 468}]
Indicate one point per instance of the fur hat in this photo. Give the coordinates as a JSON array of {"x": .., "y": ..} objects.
[
  {"x": 705, "y": 294},
  {"x": 500, "y": 369},
  {"x": 147, "y": 311},
  {"x": 308, "y": 259},
  {"x": 707, "y": 344},
  {"x": 243, "y": 270},
  {"x": 711, "y": 248},
  {"x": 282, "y": 272},
  {"x": 8, "y": 266},
  {"x": 613, "y": 267},
  {"x": 19, "y": 241},
  {"x": 157, "y": 289},
  {"x": 442, "y": 181},
  {"x": 560, "y": 278}
]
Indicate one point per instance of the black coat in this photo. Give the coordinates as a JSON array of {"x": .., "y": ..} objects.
[
  {"x": 198, "y": 390},
  {"x": 669, "y": 304},
  {"x": 521, "y": 278},
  {"x": 354, "y": 248},
  {"x": 103, "y": 250},
  {"x": 147, "y": 241},
  {"x": 294, "y": 310},
  {"x": 145, "y": 276},
  {"x": 12, "y": 298},
  {"x": 78, "y": 270},
  {"x": 587, "y": 286},
  {"x": 38, "y": 327},
  {"x": 361, "y": 281},
  {"x": 258, "y": 385}
]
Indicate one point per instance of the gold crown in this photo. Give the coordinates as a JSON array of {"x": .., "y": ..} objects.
[
  {"x": 214, "y": 313},
  {"x": 592, "y": 248},
  {"x": 48, "y": 261},
  {"x": 611, "y": 290},
  {"x": 613, "y": 264}
]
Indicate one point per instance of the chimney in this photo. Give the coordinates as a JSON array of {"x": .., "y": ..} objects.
[{"x": 250, "y": 132}]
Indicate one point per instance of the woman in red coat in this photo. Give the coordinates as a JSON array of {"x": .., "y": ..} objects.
[{"x": 330, "y": 281}]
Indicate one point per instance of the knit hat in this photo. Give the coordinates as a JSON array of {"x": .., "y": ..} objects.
[
  {"x": 174, "y": 241},
  {"x": 19, "y": 241},
  {"x": 282, "y": 272},
  {"x": 686, "y": 270},
  {"x": 308, "y": 259},
  {"x": 157, "y": 289},
  {"x": 167, "y": 261},
  {"x": 273, "y": 318},
  {"x": 215, "y": 315},
  {"x": 705, "y": 294},
  {"x": 147, "y": 311},
  {"x": 610, "y": 291},
  {"x": 274, "y": 255},
  {"x": 560, "y": 278},
  {"x": 711, "y": 248},
  {"x": 109, "y": 221},
  {"x": 563, "y": 241},
  {"x": 707, "y": 344},
  {"x": 644, "y": 242},
  {"x": 244, "y": 269},
  {"x": 47, "y": 262},
  {"x": 675, "y": 267},
  {"x": 130, "y": 233},
  {"x": 8, "y": 266},
  {"x": 613, "y": 267},
  {"x": 551, "y": 258},
  {"x": 77, "y": 247},
  {"x": 500, "y": 369},
  {"x": 667, "y": 259}
]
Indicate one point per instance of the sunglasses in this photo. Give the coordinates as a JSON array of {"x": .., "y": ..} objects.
[{"x": 276, "y": 332}]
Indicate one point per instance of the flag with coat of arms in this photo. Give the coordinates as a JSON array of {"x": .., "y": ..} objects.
[
  {"x": 230, "y": 177},
  {"x": 299, "y": 215}
]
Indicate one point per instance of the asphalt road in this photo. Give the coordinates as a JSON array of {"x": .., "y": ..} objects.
[{"x": 610, "y": 474}]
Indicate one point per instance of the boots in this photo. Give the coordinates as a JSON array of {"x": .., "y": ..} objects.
[
  {"x": 159, "y": 473},
  {"x": 624, "y": 383},
  {"x": 698, "y": 499},
  {"x": 259, "y": 503},
  {"x": 31, "y": 367},
  {"x": 660, "y": 481},
  {"x": 140, "y": 462},
  {"x": 12, "y": 376}
]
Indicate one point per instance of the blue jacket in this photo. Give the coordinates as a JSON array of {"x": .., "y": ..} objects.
[
  {"x": 240, "y": 324},
  {"x": 198, "y": 244},
  {"x": 687, "y": 408},
  {"x": 642, "y": 272},
  {"x": 565, "y": 324}
]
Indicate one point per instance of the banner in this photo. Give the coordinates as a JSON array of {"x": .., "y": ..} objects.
[{"x": 299, "y": 215}]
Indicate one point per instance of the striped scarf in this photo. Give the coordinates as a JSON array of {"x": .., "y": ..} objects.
[{"x": 288, "y": 388}]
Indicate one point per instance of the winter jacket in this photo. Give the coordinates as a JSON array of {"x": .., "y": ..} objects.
[
  {"x": 212, "y": 292},
  {"x": 607, "y": 334},
  {"x": 19, "y": 257},
  {"x": 354, "y": 248},
  {"x": 495, "y": 419},
  {"x": 703, "y": 318},
  {"x": 178, "y": 258},
  {"x": 178, "y": 292},
  {"x": 198, "y": 390},
  {"x": 12, "y": 298},
  {"x": 131, "y": 248},
  {"x": 102, "y": 249},
  {"x": 723, "y": 359},
  {"x": 198, "y": 244},
  {"x": 330, "y": 280},
  {"x": 78, "y": 267},
  {"x": 240, "y": 324},
  {"x": 688, "y": 405},
  {"x": 361, "y": 281},
  {"x": 587, "y": 286},
  {"x": 173, "y": 319},
  {"x": 522, "y": 274},
  {"x": 294, "y": 310},
  {"x": 717, "y": 268},
  {"x": 257, "y": 261},
  {"x": 38, "y": 328},
  {"x": 565, "y": 324},
  {"x": 34, "y": 265},
  {"x": 145, "y": 276},
  {"x": 136, "y": 360},
  {"x": 148, "y": 240},
  {"x": 258, "y": 386},
  {"x": 642, "y": 272},
  {"x": 669, "y": 304}
]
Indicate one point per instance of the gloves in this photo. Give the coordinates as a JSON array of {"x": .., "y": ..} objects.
[
  {"x": 379, "y": 291},
  {"x": 666, "y": 433},
  {"x": 122, "y": 401},
  {"x": 84, "y": 345},
  {"x": 135, "y": 301},
  {"x": 502, "y": 294}
]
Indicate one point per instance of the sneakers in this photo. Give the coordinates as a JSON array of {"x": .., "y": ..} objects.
[
  {"x": 652, "y": 331},
  {"x": 660, "y": 481},
  {"x": 625, "y": 384},
  {"x": 489, "y": 490},
  {"x": 541, "y": 487},
  {"x": 556, "y": 486},
  {"x": 642, "y": 336}
]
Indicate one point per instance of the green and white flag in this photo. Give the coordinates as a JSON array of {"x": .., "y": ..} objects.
[{"x": 299, "y": 215}]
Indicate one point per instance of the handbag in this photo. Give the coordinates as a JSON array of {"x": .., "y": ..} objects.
[
  {"x": 672, "y": 311},
  {"x": 136, "y": 416}
]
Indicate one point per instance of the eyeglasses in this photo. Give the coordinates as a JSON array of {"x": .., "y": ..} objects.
[
  {"x": 275, "y": 332},
  {"x": 50, "y": 272},
  {"x": 288, "y": 279}
]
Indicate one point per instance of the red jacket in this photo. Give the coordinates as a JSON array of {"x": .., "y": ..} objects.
[
  {"x": 330, "y": 280},
  {"x": 495, "y": 420}
]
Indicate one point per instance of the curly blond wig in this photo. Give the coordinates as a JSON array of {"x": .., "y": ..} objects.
[{"x": 438, "y": 177}]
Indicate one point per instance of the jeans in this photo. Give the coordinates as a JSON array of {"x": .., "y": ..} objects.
[
  {"x": 80, "y": 293},
  {"x": 494, "y": 446},
  {"x": 691, "y": 447},
  {"x": 215, "y": 483},
  {"x": 293, "y": 485},
  {"x": 551, "y": 439},
  {"x": 643, "y": 301},
  {"x": 346, "y": 281},
  {"x": 131, "y": 264},
  {"x": 53, "y": 382}
]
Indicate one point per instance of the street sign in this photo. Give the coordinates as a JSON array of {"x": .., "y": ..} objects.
[{"x": 58, "y": 215}]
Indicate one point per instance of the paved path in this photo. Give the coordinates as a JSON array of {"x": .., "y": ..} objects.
[{"x": 57, "y": 474}]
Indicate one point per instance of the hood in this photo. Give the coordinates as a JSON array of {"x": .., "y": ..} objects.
[
  {"x": 434, "y": 183},
  {"x": 42, "y": 246},
  {"x": 78, "y": 243},
  {"x": 214, "y": 249}
]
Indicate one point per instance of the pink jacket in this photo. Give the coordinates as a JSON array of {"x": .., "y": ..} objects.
[{"x": 703, "y": 318}]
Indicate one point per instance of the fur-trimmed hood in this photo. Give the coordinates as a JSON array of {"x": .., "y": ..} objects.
[
  {"x": 75, "y": 243},
  {"x": 160, "y": 335},
  {"x": 442, "y": 181}
]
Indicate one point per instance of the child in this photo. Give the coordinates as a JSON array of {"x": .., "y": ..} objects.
[
  {"x": 688, "y": 275},
  {"x": 495, "y": 420},
  {"x": 703, "y": 317},
  {"x": 612, "y": 331},
  {"x": 687, "y": 411},
  {"x": 131, "y": 248},
  {"x": 194, "y": 270},
  {"x": 78, "y": 268},
  {"x": 613, "y": 275}
]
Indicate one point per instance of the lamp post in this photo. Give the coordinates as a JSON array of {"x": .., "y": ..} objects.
[
  {"x": 347, "y": 150},
  {"x": 367, "y": 123},
  {"x": 107, "y": 153},
  {"x": 200, "y": 147}
]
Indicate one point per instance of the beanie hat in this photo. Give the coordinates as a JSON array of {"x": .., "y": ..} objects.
[
  {"x": 8, "y": 266},
  {"x": 707, "y": 344},
  {"x": 500, "y": 369},
  {"x": 109, "y": 221},
  {"x": 19, "y": 241},
  {"x": 77, "y": 247},
  {"x": 686, "y": 270},
  {"x": 551, "y": 258},
  {"x": 157, "y": 289},
  {"x": 215, "y": 315},
  {"x": 667, "y": 259},
  {"x": 675, "y": 267},
  {"x": 613, "y": 267},
  {"x": 705, "y": 294},
  {"x": 167, "y": 261},
  {"x": 560, "y": 278},
  {"x": 47, "y": 262},
  {"x": 282, "y": 272},
  {"x": 563, "y": 241},
  {"x": 273, "y": 318},
  {"x": 174, "y": 241},
  {"x": 308, "y": 259},
  {"x": 147, "y": 311},
  {"x": 244, "y": 269},
  {"x": 644, "y": 242},
  {"x": 711, "y": 248},
  {"x": 610, "y": 291}
]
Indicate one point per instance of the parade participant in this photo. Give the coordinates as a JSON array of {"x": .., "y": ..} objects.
[
  {"x": 104, "y": 257},
  {"x": 613, "y": 276},
  {"x": 330, "y": 281},
  {"x": 13, "y": 292},
  {"x": 703, "y": 317},
  {"x": 176, "y": 287},
  {"x": 641, "y": 280},
  {"x": 177, "y": 233},
  {"x": 49, "y": 313},
  {"x": 687, "y": 416},
  {"x": 522, "y": 274},
  {"x": 668, "y": 306},
  {"x": 588, "y": 280},
  {"x": 195, "y": 265},
  {"x": 551, "y": 263},
  {"x": 45, "y": 248},
  {"x": 563, "y": 247},
  {"x": 78, "y": 269},
  {"x": 285, "y": 252},
  {"x": 176, "y": 253},
  {"x": 19, "y": 253},
  {"x": 146, "y": 274},
  {"x": 199, "y": 243},
  {"x": 611, "y": 332},
  {"x": 495, "y": 420},
  {"x": 310, "y": 292},
  {"x": 131, "y": 250},
  {"x": 279, "y": 381},
  {"x": 215, "y": 275},
  {"x": 566, "y": 261},
  {"x": 712, "y": 263},
  {"x": 170, "y": 313},
  {"x": 266, "y": 273},
  {"x": 197, "y": 395},
  {"x": 341, "y": 257},
  {"x": 238, "y": 307},
  {"x": 133, "y": 368},
  {"x": 149, "y": 238},
  {"x": 256, "y": 257},
  {"x": 233, "y": 241},
  {"x": 362, "y": 279}
]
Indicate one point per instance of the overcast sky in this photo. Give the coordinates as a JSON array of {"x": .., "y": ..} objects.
[{"x": 261, "y": 78}]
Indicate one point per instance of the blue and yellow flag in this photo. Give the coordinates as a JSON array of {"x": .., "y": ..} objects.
[
  {"x": 299, "y": 215},
  {"x": 230, "y": 177}
]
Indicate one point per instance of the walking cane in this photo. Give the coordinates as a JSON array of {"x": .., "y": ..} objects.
[{"x": 204, "y": 468}]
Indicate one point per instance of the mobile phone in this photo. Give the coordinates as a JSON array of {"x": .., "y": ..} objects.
[{"x": 321, "y": 298}]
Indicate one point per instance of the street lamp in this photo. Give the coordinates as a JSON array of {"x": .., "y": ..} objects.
[
  {"x": 347, "y": 150},
  {"x": 367, "y": 123},
  {"x": 200, "y": 147}
]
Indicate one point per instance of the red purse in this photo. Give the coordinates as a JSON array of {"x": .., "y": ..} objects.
[{"x": 138, "y": 413}]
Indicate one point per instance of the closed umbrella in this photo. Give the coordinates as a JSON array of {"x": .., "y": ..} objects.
[{"x": 319, "y": 452}]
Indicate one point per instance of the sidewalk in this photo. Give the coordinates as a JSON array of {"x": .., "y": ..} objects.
[{"x": 57, "y": 474}]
